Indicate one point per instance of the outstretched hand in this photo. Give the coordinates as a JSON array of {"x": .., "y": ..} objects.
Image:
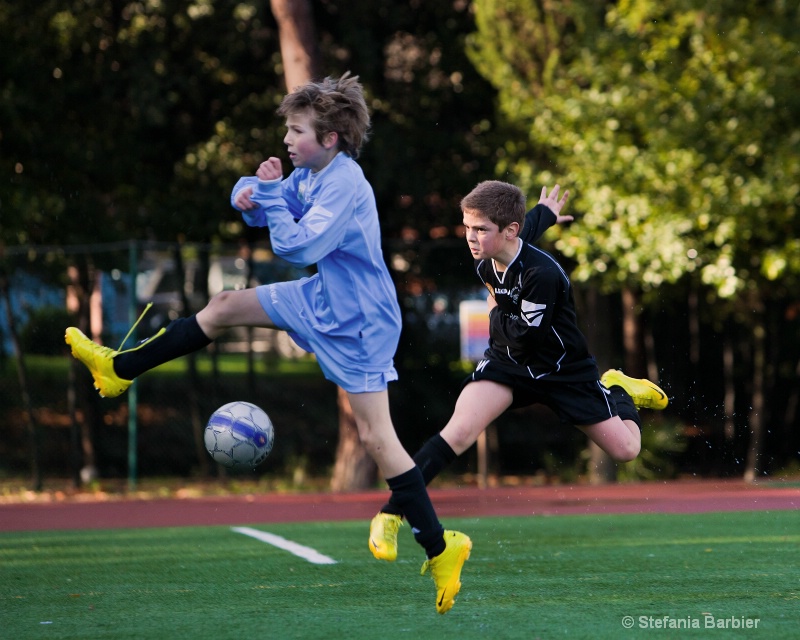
[{"x": 555, "y": 205}]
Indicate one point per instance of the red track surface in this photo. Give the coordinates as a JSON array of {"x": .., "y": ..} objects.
[{"x": 671, "y": 497}]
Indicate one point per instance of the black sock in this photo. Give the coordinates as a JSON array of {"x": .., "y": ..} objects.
[
  {"x": 181, "y": 336},
  {"x": 626, "y": 409},
  {"x": 410, "y": 495},
  {"x": 432, "y": 457}
]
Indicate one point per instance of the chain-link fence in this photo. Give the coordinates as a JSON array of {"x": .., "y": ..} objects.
[
  {"x": 57, "y": 425},
  {"x": 54, "y": 421}
]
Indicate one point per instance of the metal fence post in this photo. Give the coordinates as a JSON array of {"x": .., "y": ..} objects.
[{"x": 133, "y": 268}]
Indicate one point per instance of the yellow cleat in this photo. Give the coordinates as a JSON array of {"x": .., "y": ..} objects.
[
  {"x": 645, "y": 394},
  {"x": 100, "y": 362},
  {"x": 383, "y": 536},
  {"x": 446, "y": 569}
]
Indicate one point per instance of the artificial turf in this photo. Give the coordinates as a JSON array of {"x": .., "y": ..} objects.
[{"x": 719, "y": 575}]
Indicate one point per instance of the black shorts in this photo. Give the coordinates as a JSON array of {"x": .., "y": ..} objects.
[{"x": 574, "y": 402}]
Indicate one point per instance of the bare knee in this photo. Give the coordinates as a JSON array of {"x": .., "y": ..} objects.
[
  {"x": 378, "y": 440},
  {"x": 219, "y": 302},
  {"x": 625, "y": 452},
  {"x": 220, "y": 314},
  {"x": 216, "y": 309},
  {"x": 620, "y": 439},
  {"x": 460, "y": 437},
  {"x": 368, "y": 438}
]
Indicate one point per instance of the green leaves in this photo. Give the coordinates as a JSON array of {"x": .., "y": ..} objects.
[{"x": 671, "y": 123}]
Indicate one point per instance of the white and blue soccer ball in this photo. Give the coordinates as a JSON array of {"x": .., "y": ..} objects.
[{"x": 239, "y": 434}]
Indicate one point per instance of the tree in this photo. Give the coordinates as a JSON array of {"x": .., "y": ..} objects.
[
  {"x": 299, "y": 51},
  {"x": 675, "y": 125}
]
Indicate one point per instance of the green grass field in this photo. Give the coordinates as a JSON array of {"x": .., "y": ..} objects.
[{"x": 539, "y": 577}]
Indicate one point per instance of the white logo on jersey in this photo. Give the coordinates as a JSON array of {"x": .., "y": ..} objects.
[
  {"x": 317, "y": 218},
  {"x": 533, "y": 313},
  {"x": 481, "y": 365}
]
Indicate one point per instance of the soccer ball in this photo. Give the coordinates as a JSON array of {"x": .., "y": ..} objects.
[{"x": 239, "y": 434}]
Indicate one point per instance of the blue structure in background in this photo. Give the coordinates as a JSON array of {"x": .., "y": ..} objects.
[{"x": 28, "y": 293}]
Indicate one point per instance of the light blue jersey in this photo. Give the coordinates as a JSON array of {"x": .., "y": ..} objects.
[{"x": 347, "y": 313}]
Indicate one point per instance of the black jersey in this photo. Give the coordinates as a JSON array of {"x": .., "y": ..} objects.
[{"x": 533, "y": 329}]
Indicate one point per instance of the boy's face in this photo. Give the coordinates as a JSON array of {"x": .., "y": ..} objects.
[
  {"x": 305, "y": 151},
  {"x": 485, "y": 239}
]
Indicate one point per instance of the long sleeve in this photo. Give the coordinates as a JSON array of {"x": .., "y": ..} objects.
[
  {"x": 537, "y": 221},
  {"x": 317, "y": 232}
]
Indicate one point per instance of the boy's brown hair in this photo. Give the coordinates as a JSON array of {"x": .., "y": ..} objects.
[
  {"x": 335, "y": 105},
  {"x": 500, "y": 202}
]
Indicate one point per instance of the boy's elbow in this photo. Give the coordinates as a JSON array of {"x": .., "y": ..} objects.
[
  {"x": 254, "y": 217},
  {"x": 295, "y": 257}
]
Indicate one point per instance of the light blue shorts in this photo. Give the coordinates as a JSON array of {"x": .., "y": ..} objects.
[{"x": 340, "y": 363}]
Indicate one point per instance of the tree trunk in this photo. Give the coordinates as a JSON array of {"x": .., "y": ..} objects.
[
  {"x": 729, "y": 381},
  {"x": 298, "y": 41},
  {"x": 354, "y": 468},
  {"x": 756, "y": 417},
  {"x": 601, "y": 467},
  {"x": 632, "y": 334}
]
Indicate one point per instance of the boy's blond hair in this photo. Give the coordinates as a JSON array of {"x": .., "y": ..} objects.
[
  {"x": 335, "y": 105},
  {"x": 500, "y": 202}
]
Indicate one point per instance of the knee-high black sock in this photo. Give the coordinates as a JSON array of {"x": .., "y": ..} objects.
[
  {"x": 432, "y": 457},
  {"x": 409, "y": 493},
  {"x": 181, "y": 336},
  {"x": 626, "y": 409}
]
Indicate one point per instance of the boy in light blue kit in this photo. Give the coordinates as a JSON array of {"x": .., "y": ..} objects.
[{"x": 347, "y": 314}]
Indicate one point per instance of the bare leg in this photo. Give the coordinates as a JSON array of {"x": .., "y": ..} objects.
[
  {"x": 377, "y": 434},
  {"x": 621, "y": 439},
  {"x": 232, "y": 309},
  {"x": 479, "y": 404}
]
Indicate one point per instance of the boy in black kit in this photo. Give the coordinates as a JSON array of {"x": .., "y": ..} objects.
[{"x": 536, "y": 352}]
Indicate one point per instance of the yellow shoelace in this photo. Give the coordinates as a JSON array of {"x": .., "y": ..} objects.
[{"x": 135, "y": 324}]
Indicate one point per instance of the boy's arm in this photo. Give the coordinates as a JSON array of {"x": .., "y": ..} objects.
[
  {"x": 544, "y": 215},
  {"x": 305, "y": 238},
  {"x": 240, "y": 194},
  {"x": 242, "y": 199},
  {"x": 537, "y": 221}
]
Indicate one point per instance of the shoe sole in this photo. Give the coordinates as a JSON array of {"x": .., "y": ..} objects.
[
  {"x": 453, "y": 585},
  {"x": 389, "y": 553}
]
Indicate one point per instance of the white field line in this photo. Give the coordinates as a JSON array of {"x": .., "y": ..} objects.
[{"x": 306, "y": 553}]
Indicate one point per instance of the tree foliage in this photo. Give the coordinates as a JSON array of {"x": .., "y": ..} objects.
[
  {"x": 675, "y": 124},
  {"x": 116, "y": 115}
]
